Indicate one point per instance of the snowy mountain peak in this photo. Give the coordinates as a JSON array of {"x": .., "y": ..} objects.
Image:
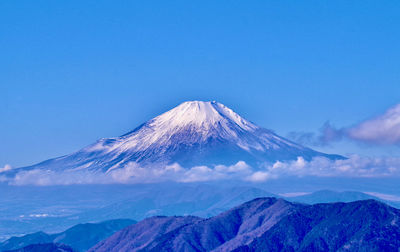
[
  {"x": 190, "y": 123},
  {"x": 201, "y": 115}
]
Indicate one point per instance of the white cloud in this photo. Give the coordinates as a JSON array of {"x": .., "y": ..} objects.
[
  {"x": 259, "y": 176},
  {"x": 131, "y": 173},
  {"x": 383, "y": 129},
  {"x": 204, "y": 173},
  {"x": 134, "y": 173},
  {"x": 201, "y": 173},
  {"x": 240, "y": 166},
  {"x": 354, "y": 166},
  {"x": 7, "y": 167},
  {"x": 174, "y": 167}
]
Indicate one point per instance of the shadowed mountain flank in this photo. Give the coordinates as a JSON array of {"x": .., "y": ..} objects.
[{"x": 269, "y": 224}]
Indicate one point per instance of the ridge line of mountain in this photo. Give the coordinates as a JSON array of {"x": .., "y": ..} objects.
[{"x": 271, "y": 224}]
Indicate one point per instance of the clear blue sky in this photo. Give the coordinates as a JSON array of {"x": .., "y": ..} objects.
[{"x": 75, "y": 71}]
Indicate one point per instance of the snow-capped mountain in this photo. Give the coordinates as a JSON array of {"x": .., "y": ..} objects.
[{"x": 193, "y": 133}]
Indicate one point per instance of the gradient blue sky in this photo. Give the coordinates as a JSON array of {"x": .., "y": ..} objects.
[{"x": 75, "y": 71}]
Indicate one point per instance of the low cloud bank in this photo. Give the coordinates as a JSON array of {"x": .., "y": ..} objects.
[
  {"x": 354, "y": 166},
  {"x": 383, "y": 129},
  {"x": 130, "y": 174}
]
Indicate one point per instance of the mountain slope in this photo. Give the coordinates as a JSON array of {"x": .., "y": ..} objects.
[
  {"x": 193, "y": 133},
  {"x": 270, "y": 224},
  {"x": 80, "y": 237},
  {"x": 357, "y": 226},
  {"x": 44, "y": 247},
  {"x": 143, "y": 233}
]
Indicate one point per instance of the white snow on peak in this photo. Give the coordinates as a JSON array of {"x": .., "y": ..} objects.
[
  {"x": 192, "y": 123},
  {"x": 202, "y": 115}
]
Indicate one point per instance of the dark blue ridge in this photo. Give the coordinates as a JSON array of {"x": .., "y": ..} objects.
[{"x": 268, "y": 224}]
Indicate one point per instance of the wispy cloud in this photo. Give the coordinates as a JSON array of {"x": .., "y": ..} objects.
[
  {"x": 48, "y": 177},
  {"x": 383, "y": 129},
  {"x": 294, "y": 194},
  {"x": 384, "y": 196},
  {"x": 325, "y": 136}
]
